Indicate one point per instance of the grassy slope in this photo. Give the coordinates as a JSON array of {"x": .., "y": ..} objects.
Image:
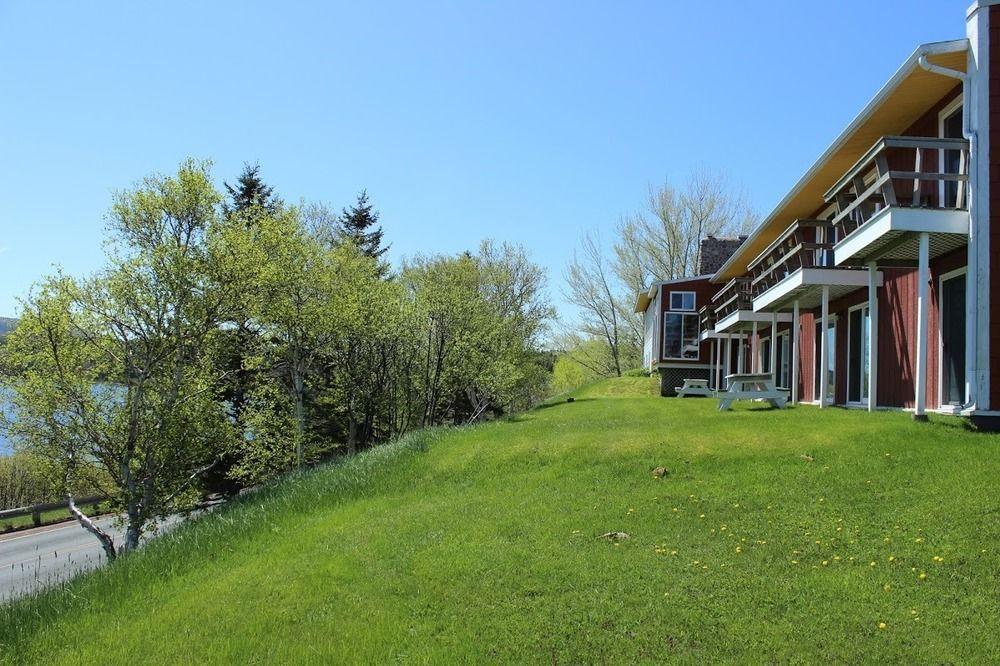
[{"x": 483, "y": 547}]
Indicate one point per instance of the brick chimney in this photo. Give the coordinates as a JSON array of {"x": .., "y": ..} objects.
[{"x": 715, "y": 252}]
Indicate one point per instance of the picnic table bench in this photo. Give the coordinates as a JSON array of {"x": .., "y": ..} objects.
[
  {"x": 751, "y": 387},
  {"x": 694, "y": 387}
]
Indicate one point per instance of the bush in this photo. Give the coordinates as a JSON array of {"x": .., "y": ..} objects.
[{"x": 23, "y": 482}]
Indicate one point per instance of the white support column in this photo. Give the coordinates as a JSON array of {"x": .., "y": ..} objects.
[
  {"x": 923, "y": 308},
  {"x": 824, "y": 354},
  {"x": 872, "y": 336},
  {"x": 718, "y": 364},
  {"x": 978, "y": 298},
  {"x": 774, "y": 347},
  {"x": 729, "y": 357},
  {"x": 754, "y": 350},
  {"x": 741, "y": 366},
  {"x": 795, "y": 352}
]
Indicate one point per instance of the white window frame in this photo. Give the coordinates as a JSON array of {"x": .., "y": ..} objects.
[
  {"x": 847, "y": 359},
  {"x": 831, "y": 398},
  {"x": 944, "y": 277},
  {"x": 943, "y": 114},
  {"x": 761, "y": 356},
  {"x": 694, "y": 301},
  {"x": 784, "y": 337},
  {"x": 683, "y": 314}
]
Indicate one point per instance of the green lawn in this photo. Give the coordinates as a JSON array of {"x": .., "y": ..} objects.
[{"x": 777, "y": 536}]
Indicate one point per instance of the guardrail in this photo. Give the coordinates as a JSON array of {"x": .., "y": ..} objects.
[
  {"x": 903, "y": 171},
  {"x": 36, "y": 510}
]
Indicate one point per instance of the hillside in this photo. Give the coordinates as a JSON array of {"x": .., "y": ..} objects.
[{"x": 776, "y": 535}]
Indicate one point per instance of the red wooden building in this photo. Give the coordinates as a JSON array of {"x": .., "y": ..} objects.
[{"x": 871, "y": 283}]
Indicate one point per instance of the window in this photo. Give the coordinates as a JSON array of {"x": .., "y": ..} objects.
[
  {"x": 682, "y": 300},
  {"x": 765, "y": 355},
  {"x": 784, "y": 375},
  {"x": 831, "y": 341},
  {"x": 680, "y": 335}
]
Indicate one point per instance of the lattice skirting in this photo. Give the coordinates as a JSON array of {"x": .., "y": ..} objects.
[{"x": 671, "y": 378}]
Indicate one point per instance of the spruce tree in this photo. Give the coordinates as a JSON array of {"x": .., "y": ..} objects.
[
  {"x": 357, "y": 224},
  {"x": 250, "y": 190}
]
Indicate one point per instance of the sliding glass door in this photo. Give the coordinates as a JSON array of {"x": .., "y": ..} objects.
[{"x": 858, "y": 355}]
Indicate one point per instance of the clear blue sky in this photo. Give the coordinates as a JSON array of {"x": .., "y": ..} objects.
[{"x": 522, "y": 121}]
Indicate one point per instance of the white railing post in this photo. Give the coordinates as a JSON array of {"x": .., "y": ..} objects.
[
  {"x": 824, "y": 367},
  {"x": 754, "y": 350},
  {"x": 795, "y": 352},
  {"x": 920, "y": 378},
  {"x": 872, "y": 336}
]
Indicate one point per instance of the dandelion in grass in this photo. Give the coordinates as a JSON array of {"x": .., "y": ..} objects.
[
  {"x": 922, "y": 576},
  {"x": 882, "y": 625}
]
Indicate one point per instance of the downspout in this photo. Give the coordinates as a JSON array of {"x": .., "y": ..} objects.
[{"x": 972, "y": 269}]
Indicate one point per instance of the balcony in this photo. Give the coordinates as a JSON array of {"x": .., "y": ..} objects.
[
  {"x": 706, "y": 322},
  {"x": 799, "y": 266},
  {"x": 897, "y": 191},
  {"x": 733, "y": 309}
]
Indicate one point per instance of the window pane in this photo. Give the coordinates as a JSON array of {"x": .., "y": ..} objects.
[
  {"x": 680, "y": 336},
  {"x": 682, "y": 300},
  {"x": 672, "y": 324},
  {"x": 690, "y": 336}
]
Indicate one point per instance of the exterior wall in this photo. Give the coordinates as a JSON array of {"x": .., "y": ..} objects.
[
  {"x": 897, "y": 310},
  {"x": 993, "y": 97},
  {"x": 703, "y": 292},
  {"x": 897, "y": 319},
  {"x": 648, "y": 336}
]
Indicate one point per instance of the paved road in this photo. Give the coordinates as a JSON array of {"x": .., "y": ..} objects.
[{"x": 34, "y": 559}]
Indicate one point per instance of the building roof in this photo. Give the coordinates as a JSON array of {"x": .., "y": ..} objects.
[{"x": 901, "y": 101}]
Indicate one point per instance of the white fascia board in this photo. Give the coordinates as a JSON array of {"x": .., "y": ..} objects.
[
  {"x": 747, "y": 317},
  {"x": 908, "y": 66},
  {"x": 810, "y": 277},
  {"x": 915, "y": 220}
]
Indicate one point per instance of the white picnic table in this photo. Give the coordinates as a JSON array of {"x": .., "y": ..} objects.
[
  {"x": 694, "y": 387},
  {"x": 751, "y": 387}
]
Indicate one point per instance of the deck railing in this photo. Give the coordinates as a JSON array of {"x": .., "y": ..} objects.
[
  {"x": 804, "y": 244},
  {"x": 706, "y": 319},
  {"x": 734, "y": 296},
  {"x": 902, "y": 171}
]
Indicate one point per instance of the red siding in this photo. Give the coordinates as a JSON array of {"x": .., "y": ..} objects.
[
  {"x": 897, "y": 322},
  {"x": 703, "y": 292}
]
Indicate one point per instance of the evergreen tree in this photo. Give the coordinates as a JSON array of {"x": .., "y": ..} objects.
[
  {"x": 250, "y": 190},
  {"x": 357, "y": 224}
]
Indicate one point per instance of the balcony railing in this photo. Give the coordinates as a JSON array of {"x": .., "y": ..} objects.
[
  {"x": 706, "y": 319},
  {"x": 804, "y": 244},
  {"x": 734, "y": 296},
  {"x": 902, "y": 171}
]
